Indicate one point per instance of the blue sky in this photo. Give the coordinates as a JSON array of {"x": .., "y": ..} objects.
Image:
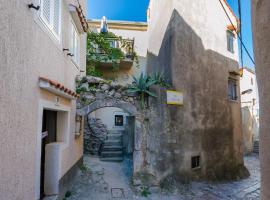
[{"x": 135, "y": 10}]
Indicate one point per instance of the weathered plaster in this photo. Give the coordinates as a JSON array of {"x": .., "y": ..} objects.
[
  {"x": 191, "y": 51},
  {"x": 261, "y": 29},
  {"x": 26, "y": 53}
]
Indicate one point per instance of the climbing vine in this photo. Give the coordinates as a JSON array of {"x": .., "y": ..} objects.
[{"x": 100, "y": 49}]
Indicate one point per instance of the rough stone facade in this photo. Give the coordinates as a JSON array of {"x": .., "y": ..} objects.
[
  {"x": 208, "y": 124},
  {"x": 99, "y": 93},
  {"x": 261, "y": 29},
  {"x": 94, "y": 88},
  {"x": 95, "y": 133}
]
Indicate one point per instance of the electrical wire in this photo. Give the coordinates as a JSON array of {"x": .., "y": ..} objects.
[{"x": 240, "y": 38}]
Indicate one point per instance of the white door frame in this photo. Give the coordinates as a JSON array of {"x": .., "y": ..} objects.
[{"x": 44, "y": 104}]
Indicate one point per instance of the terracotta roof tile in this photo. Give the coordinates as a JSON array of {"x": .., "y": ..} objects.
[{"x": 60, "y": 87}]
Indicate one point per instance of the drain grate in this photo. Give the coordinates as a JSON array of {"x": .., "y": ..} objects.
[{"x": 117, "y": 193}]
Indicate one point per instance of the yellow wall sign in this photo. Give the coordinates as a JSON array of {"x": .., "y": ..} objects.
[{"x": 174, "y": 97}]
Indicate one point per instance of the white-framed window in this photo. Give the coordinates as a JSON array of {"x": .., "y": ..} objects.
[
  {"x": 50, "y": 14},
  {"x": 74, "y": 44},
  {"x": 230, "y": 41},
  {"x": 232, "y": 89}
]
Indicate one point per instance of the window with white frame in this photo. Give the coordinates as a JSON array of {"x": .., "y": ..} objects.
[
  {"x": 51, "y": 15},
  {"x": 230, "y": 41},
  {"x": 75, "y": 44},
  {"x": 232, "y": 89}
]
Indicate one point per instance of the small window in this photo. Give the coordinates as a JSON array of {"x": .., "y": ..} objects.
[
  {"x": 75, "y": 44},
  {"x": 119, "y": 120},
  {"x": 195, "y": 162},
  {"x": 230, "y": 41},
  {"x": 251, "y": 80},
  {"x": 232, "y": 87},
  {"x": 50, "y": 15}
]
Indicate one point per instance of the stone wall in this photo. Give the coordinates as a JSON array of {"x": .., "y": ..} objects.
[
  {"x": 261, "y": 29},
  {"x": 94, "y": 88},
  {"x": 208, "y": 124},
  {"x": 95, "y": 133}
]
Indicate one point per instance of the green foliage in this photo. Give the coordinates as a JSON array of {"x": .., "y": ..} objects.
[
  {"x": 145, "y": 192},
  {"x": 141, "y": 86},
  {"x": 99, "y": 50},
  {"x": 67, "y": 195},
  {"x": 159, "y": 79},
  {"x": 92, "y": 71},
  {"x": 83, "y": 168},
  {"x": 80, "y": 90}
]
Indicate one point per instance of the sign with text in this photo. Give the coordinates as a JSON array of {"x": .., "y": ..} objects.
[{"x": 174, "y": 97}]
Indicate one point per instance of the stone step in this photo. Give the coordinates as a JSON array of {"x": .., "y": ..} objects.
[
  {"x": 113, "y": 159},
  {"x": 53, "y": 197},
  {"x": 114, "y": 136},
  {"x": 112, "y": 148},
  {"x": 111, "y": 154},
  {"x": 113, "y": 143},
  {"x": 115, "y": 132},
  {"x": 256, "y": 147}
]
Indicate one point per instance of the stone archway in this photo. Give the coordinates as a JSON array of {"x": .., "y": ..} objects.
[{"x": 139, "y": 132}]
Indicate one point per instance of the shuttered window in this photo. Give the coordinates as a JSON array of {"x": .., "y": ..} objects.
[
  {"x": 51, "y": 15},
  {"x": 75, "y": 44}
]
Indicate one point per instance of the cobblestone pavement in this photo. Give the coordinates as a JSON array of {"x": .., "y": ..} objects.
[{"x": 110, "y": 181}]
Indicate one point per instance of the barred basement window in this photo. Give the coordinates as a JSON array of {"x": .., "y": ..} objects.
[
  {"x": 195, "y": 162},
  {"x": 119, "y": 120}
]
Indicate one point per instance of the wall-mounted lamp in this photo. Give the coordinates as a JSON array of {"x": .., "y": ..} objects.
[
  {"x": 70, "y": 54},
  {"x": 65, "y": 49},
  {"x": 33, "y": 6}
]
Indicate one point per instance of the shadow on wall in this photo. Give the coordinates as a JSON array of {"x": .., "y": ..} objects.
[
  {"x": 208, "y": 125},
  {"x": 250, "y": 129}
]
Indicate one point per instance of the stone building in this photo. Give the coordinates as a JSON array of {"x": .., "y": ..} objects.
[
  {"x": 194, "y": 45},
  {"x": 250, "y": 109},
  {"x": 116, "y": 119},
  {"x": 42, "y": 51},
  {"x": 261, "y": 29}
]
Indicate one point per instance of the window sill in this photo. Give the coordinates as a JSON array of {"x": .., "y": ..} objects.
[
  {"x": 196, "y": 168},
  {"x": 233, "y": 101},
  {"x": 56, "y": 40}
]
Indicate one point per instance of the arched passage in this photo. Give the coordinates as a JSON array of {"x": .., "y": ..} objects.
[
  {"x": 139, "y": 129},
  {"x": 102, "y": 103}
]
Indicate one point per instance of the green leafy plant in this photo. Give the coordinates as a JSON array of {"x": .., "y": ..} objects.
[
  {"x": 141, "y": 87},
  {"x": 159, "y": 80},
  {"x": 145, "y": 192},
  {"x": 67, "y": 195},
  {"x": 83, "y": 168},
  {"x": 99, "y": 49}
]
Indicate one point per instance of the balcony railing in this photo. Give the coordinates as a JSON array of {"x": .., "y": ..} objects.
[{"x": 127, "y": 47}]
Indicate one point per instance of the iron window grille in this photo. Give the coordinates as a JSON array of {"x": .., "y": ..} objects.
[{"x": 119, "y": 120}]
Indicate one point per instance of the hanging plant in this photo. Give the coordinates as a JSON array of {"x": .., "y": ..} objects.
[{"x": 99, "y": 50}]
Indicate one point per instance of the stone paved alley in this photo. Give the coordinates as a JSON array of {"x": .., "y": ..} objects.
[{"x": 108, "y": 181}]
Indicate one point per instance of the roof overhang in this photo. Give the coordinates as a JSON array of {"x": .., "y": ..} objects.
[
  {"x": 57, "y": 88},
  {"x": 120, "y": 25},
  {"x": 78, "y": 18}
]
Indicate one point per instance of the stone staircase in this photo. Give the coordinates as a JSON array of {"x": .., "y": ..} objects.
[
  {"x": 112, "y": 150},
  {"x": 256, "y": 146}
]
